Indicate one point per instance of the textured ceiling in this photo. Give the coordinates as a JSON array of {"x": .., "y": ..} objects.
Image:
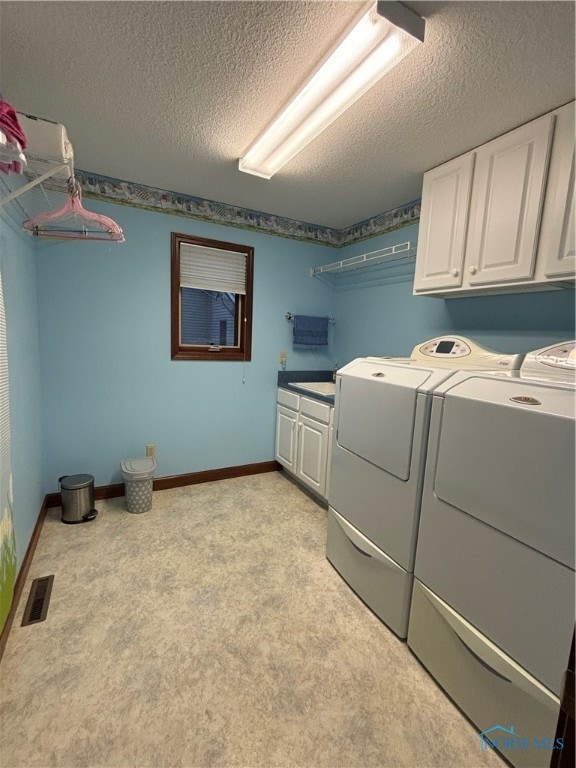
[{"x": 170, "y": 94}]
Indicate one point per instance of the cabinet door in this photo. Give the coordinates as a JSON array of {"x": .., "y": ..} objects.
[
  {"x": 286, "y": 436},
  {"x": 443, "y": 223},
  {"x": 557, "y": 246},
  {"x": 507, "y": 197},
  {"x": 313, "y": 454},
  {"x": 329, "y": 460}
]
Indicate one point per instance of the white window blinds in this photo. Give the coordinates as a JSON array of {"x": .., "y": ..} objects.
[{"x": 212, "y": 269}]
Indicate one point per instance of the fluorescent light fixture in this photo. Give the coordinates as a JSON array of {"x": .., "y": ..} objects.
[{"x": 379, "y": 38}]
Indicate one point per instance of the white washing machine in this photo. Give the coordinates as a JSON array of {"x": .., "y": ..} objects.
[
  {"x": 381, "y": 423},
  {"x": 492, "y": 611}
]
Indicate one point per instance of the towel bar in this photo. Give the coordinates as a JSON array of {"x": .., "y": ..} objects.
[{"x": 290, "y": 316}]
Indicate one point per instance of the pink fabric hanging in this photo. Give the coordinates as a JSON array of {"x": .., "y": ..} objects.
[
  {"x": 15, "y": 137},
  {"x": 10, "y": 125}
]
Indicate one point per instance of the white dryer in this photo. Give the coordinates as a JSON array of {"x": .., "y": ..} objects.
[
  {"x": 381, "y": 423},
  {"x": 492, "y": 611}
]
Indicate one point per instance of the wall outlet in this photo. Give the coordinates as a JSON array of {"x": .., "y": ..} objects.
[{"x": 151, "y": 450}]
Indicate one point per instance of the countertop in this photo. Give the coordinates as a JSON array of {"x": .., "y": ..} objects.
[{"x": 288, "y": 380}]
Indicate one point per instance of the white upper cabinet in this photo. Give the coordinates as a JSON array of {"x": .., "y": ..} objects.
[
  {"x": 500, "y": 219},
  {"x": 557, "y": 244},
  {"x": 506, "y": 204},
  {"x": 443, "y": 224}
]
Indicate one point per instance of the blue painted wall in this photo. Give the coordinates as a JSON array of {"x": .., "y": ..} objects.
[
  {"x": 99, "y": 384},
  {"x": 110, "y": 386},
  {"x": 387, "y": 319},
  {"x": 18, "y": 265}
]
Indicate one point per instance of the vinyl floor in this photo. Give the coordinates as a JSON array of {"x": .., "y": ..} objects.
[{"x": 212, "y": 631}]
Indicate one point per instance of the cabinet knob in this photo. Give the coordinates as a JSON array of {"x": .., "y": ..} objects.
[
  {"x": 473, "y": 270},
  {"x": 455, "y": 272}
]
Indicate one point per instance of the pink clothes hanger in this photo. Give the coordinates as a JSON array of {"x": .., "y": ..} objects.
[{"x": 73, "y": 222}]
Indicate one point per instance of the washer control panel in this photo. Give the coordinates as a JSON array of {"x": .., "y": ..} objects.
[
  {"x": 445, "y": 346},
  {"x": 461, "y": 353},
  {"x": 556, "y": 362}
]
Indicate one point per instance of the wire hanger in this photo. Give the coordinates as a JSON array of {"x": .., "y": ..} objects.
[{"x": 74, "y": 222}]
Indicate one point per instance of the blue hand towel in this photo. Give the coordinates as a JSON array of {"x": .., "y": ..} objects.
[{"x": 310, "y": 331}]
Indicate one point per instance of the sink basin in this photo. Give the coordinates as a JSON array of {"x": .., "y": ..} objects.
[{"x": 322, "y": 387}]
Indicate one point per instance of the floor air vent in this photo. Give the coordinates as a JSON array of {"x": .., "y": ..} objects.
[{"x": 38, "y": 601}]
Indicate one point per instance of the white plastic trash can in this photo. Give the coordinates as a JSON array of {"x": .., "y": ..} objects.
[{"x": 138, "y": 477}]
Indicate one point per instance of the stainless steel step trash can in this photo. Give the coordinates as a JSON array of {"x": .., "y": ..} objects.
[
  {"x": 77, "y": 493},
  {"x": 138, "y": 479}
]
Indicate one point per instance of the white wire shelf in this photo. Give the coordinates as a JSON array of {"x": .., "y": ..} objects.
[
  {"x": 39, "y": 170},
  {"x": 388, "y": 263},
  {"x": 42, "y": 187}
]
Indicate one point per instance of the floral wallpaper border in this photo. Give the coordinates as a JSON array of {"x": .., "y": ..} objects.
[{"x": 153, "y": 199}]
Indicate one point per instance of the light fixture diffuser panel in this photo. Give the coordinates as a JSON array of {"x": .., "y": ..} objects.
[{"x": 372, "y": 46}]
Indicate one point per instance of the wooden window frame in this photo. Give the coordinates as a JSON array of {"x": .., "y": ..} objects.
[{"x": 243, "y": 351}]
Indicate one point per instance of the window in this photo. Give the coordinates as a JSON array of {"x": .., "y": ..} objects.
[{"x": 211, "y": 299}]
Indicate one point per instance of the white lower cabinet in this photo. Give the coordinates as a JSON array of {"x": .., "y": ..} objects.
[
  {"x": 286, "y": 436},
  {"x": 303, "y": 430},
  {"x": 312, "y": 456}
]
